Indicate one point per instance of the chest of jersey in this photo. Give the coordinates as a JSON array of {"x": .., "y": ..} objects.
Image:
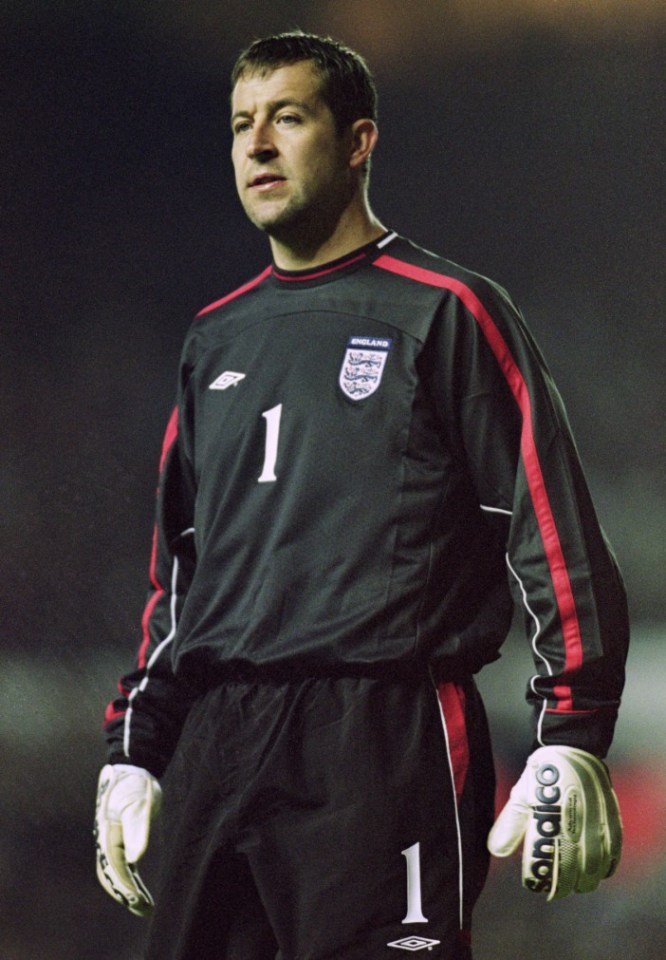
[
  {"x": 319, "y": 401},
  {"x": 319, "y": 463}
]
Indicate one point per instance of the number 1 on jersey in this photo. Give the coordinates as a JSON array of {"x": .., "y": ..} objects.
[{"x": 272, "y": 418}]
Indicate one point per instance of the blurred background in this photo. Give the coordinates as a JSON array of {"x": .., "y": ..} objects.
[{"x": 522, "y": 138}]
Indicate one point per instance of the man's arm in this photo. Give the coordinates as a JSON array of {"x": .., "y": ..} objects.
[
  {"x": 512, "y": 431},
  {"x": 143, "y": 723}
]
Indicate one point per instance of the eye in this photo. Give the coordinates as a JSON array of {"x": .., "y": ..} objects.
[
  {"x": 288, "y": 119},
  {"x": 241, "y": 126}
]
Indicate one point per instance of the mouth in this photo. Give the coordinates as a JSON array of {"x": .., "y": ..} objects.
[{"x": 266, "y": 181}]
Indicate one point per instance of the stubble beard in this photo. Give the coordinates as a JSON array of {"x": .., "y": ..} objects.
[
  {"x": 301, "y": 223},
  {"x": 281, "y": 222}
]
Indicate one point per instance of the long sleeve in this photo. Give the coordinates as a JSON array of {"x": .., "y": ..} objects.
[
  {"x": 142, "y": 724},
  {"x": 511, "y": 429}
]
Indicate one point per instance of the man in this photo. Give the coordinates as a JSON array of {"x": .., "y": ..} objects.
[{"x": 367, "y": 457}]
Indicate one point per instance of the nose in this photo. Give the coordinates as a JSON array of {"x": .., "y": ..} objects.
[{"x": 260, "y": 145}]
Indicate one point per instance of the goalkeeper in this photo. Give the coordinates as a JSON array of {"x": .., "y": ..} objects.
[{"x": 368, "y": 464}]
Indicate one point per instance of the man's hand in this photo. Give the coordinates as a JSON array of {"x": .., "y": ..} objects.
[
  {"x": 128, "y": 799},
  {"x": 566, "y": 813}
]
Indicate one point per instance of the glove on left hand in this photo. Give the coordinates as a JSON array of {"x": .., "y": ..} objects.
[
  {"x": 128, "y": 799},
  {"x": 566, "y": 813}
]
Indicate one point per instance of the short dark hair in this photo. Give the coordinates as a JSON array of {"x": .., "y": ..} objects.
[{"x": 347, "y": 84}]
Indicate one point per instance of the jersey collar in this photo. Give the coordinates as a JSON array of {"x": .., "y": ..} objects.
[{"x": 336, "y": 268}]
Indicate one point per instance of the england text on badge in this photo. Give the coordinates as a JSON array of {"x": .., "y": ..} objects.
[{"x": 363, "y": 366}]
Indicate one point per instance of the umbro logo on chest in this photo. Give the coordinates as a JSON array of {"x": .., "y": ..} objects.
[{"x": 227, "y": 379}]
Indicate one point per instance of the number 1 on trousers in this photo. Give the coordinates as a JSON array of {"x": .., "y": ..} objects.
[
  {"x": 272, "y": 418},
  {"x": 414, "y": 913}
]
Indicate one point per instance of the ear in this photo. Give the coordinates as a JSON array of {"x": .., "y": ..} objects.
[{"x": 364, "y": 135}]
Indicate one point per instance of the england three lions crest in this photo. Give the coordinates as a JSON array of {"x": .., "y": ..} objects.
[{"x": 363, "y": 366}]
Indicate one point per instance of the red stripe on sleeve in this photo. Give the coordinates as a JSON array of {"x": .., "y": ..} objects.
[
  {"x": 573, "y": 646},
  {"x": 111, "y": 713},
  {"x": 152, "y": 603},
  {"x": 564, "y": 700},
  {"x": 170, "y": 435}
]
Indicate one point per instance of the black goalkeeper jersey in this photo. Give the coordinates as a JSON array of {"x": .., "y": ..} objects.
[{"x": 365, "y": 462}]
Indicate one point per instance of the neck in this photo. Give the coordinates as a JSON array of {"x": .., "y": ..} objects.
[{"x": 318, "y": 244}]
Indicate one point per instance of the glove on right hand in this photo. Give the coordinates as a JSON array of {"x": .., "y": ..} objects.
[
  {"x": 128, "y": 799},
  {"x": 565, "y": 812}
]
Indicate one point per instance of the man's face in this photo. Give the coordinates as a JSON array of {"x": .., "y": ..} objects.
[{"x": 291, "y": 166}]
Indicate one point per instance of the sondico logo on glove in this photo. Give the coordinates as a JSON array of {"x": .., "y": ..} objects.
[
  {"x": 565, "y": 812},
  {"x": 548, "y": 818}
]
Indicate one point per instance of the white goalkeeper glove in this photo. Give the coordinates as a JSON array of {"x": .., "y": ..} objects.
[
  {"x": 565, "y": 812},
  {"x": 128, "y": 799}
]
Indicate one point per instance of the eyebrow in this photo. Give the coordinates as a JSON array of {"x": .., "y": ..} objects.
[{"x": 274, "y": 106}]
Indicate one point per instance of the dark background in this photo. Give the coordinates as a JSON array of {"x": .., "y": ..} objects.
[{"x": 522, "y": 138}]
